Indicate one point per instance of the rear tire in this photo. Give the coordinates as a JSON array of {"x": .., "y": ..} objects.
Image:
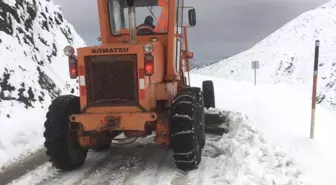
[
  {"x": 63, "y": 148},
  {"x": 209, "y": 94},
  {"x": 186, "y": 131}
]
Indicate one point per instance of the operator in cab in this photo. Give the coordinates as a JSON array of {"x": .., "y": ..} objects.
[{"x": 147, "y": 27}]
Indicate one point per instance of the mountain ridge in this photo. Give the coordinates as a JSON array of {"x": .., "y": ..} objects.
[{"x": 287, "y": 55}]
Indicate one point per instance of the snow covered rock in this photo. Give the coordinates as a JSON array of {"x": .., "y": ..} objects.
[
  {"x": 33, "y": 71},
  {"x": 287, "y": 55}
]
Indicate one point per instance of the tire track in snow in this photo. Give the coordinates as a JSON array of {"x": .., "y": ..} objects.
[
  {"x": 130, "y": 162},
  {"x": 21, "y": 167},
  {"x": 151, "y": 170},
  {"x": 46, "y": 174},
  {"x": 128, "y": 165},
  {"x": 195, "y": 177},
  {"x": 160, "y": 169},
  {"x": 241, "y": 156},
  {"x": 93, "y": 161},
  {"x": 116, "y": 166}
]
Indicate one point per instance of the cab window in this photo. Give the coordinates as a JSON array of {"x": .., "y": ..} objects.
[{"x": 151, "y": 16}]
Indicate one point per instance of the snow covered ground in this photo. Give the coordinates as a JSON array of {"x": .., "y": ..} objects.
[
  {"x": 268, "y": 143},
  {"x": 281, "y": 113},
  {"x": 241, "y": 157},
  {"x": 269, "y": 139}
]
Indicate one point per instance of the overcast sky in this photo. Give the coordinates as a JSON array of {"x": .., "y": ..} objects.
[{"x": 224, "y": 27}]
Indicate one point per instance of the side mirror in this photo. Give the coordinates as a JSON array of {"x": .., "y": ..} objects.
[{"x": 192, "y": 17}]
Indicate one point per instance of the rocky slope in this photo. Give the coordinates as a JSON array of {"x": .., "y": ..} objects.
[{"x": 33, "y": 71}]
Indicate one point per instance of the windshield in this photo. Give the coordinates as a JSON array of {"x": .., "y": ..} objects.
[{"x": 151, "y": 15}]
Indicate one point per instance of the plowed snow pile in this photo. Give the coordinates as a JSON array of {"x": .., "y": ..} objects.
[{"x": 244, "y": 157}]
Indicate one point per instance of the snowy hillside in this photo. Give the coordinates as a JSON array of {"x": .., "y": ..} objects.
[
  {"x": 288, "y": 55},
  {"x": 33, "y": 70}
]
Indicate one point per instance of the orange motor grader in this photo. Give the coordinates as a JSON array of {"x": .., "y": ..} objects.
[{"x": 135, "y": 83}]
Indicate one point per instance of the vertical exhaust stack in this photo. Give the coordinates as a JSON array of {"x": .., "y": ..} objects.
[{"x": 132, "y": 21}]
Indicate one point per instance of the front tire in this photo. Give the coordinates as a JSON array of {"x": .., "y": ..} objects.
[
  {"x": 186, "y": 131},
  {"x": 63, "y": 148}
]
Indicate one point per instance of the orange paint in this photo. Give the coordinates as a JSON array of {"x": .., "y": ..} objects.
[
  {"x": 162, "y": 25},
  {"x": 123, "y": 121},
  {"x": 81, "y": 70},
  {"x": 104, "y": 106}
]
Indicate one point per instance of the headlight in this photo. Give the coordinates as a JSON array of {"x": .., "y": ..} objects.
[
  {"x": 69, "y": 51},
  {"x": 148, "y": 48}
]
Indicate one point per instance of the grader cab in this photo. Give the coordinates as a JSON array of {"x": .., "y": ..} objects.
[{"x": 135, "y": 83}]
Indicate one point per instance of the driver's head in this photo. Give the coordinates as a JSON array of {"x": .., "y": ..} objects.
[{"x": 149, "y": 20}]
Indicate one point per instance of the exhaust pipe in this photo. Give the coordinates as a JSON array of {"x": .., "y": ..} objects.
[{"x": 132, "y": 21}]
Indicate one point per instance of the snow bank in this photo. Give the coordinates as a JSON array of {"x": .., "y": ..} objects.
[
  {"x": 280, "y": 113},
  {"x": 33, "y": 71},
  {"x": 287, "y": 55},
  {"x": 244, "y": 157}
]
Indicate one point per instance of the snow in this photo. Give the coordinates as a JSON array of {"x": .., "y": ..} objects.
[
  {"x": 281, "y": 113},
  {"x": 47, "y": 172},
  {"x": 287, "y": 55},
  {"x": 263, "y": 146},
  {"x": 280, "y": 105},
  {"x": 241, "y": 157},
  {"x": 33, "y": 71},
  {"x": 268, "y": 142},
  {"x": 36, "y": 176}
]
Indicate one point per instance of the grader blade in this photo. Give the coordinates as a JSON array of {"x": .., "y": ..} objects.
[{"x": 216, "y": 121}]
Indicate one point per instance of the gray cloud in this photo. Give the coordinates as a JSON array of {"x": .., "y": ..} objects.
[{"x": 224, "y": 28}]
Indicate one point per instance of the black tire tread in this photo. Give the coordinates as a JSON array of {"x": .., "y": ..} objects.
[
  {"x": 200, "y": 111},
  {"x": 58, "y": 137},
  {"x": 209, "y": 94},
  {"x": 185, "y": 103}
]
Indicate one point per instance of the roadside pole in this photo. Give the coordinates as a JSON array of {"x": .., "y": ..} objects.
[
  {"x": 255, "y": 66},
  {"x": 312, "y": 123}
]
